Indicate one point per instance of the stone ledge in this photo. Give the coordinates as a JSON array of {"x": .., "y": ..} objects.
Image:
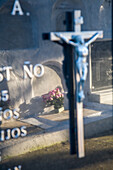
[
  {"x": 47, "y": 138},
  {"x": 104, "y": 96}
]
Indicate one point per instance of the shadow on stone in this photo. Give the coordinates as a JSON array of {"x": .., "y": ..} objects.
[{"x": 35, "y": 108}]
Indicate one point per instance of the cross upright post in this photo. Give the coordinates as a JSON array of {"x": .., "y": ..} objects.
[
  {"x": 79, "y": 80},
  {"x": 76, "y": 110},
  {"x": 78, "y": 20}
]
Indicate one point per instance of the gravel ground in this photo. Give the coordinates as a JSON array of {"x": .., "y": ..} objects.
[{"x": 99, "y": 156}]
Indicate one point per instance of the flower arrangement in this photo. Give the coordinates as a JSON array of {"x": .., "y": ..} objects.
[{"x": 54, "y": 97}]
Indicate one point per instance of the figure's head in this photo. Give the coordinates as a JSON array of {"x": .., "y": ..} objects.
[{"x": 78, "y": 39}]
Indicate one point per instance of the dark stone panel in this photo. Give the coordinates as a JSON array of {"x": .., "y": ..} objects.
[
  {"x": 101, "y": 54},
  {"x": 16, "y": 32},
  {"x": 2, "y": 2}
]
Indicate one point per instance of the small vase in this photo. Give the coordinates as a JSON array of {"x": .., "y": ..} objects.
[{"x": 59, "y": 110}]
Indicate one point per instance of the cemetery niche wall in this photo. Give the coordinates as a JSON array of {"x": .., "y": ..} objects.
[{"x": 23, "y": 50}]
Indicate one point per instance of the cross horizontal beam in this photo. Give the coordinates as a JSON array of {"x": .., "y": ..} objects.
[{"x": 85, "y": 35}]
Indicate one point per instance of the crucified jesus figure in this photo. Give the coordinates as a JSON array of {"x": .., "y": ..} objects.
[{"x": 81, "y": 50}]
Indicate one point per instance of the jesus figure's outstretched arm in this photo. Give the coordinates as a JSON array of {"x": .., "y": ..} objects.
[{"x": 66, "y": 39}]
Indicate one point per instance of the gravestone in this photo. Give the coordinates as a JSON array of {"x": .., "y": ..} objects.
[
  {"x": 101, "y": 54},
  {"x": 101, "y": 72}
]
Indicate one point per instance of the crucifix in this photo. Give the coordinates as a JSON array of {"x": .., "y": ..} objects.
[{"x": 76, "y": 77}]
